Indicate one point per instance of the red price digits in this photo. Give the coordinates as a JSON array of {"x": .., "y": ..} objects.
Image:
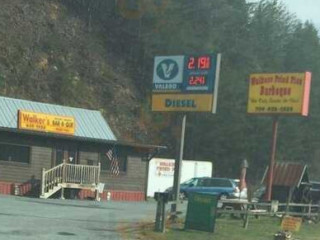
[
  {"x": 199, "y": 63},
  {"x": 197, "y": 80},
  {"x": 191, "y": 63},
  {"x": 204, "y": 62}
]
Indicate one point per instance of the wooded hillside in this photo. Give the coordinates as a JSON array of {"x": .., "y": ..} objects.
[{"x": 98, "y": 54}]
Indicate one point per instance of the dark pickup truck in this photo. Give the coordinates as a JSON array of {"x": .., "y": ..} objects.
[{"x": 315, "y": 191}]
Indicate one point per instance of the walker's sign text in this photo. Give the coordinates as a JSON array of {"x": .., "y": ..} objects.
[{"x": 46, "y": 122}]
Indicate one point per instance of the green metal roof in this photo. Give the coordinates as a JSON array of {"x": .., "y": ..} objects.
[{"x": 89, "y": 123}]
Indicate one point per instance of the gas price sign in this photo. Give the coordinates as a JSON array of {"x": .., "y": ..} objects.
[
  {"x": 199, "y": 73},
  {"x": 186, "y": 83}
]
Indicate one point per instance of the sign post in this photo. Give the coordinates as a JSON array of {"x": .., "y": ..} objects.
[
  {"x": 272, "y": 158},
  {"x": 177, "y": 167},
  {"x": 276, "y": 94},
  {"x": 185, "y": 84}
]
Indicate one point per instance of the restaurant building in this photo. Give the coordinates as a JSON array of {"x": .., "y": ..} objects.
[{"x": 46, "y": 148}]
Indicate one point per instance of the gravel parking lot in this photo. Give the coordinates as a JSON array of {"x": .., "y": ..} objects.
[{"x": 27, "y": 218}]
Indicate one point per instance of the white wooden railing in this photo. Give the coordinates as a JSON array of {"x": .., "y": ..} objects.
[
  {"x": 66, "y": 173},
  {"x": 81, "y": 174}
]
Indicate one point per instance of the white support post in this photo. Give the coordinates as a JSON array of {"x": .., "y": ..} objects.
[
  {"x": 43, "y": 181},
  {"x": 64, "y": 171},
  {"x": 62, "y": 193},
  {"x": 99, "y": 168}
]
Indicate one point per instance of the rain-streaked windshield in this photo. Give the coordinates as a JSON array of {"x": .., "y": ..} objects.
[{"x": 117, "y": 117}]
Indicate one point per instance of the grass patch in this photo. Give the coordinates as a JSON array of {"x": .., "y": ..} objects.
[{"x": 229, "y": 229}]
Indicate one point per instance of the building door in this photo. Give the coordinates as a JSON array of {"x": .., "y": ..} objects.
[
  {"x": 67, "y": 153},
  {"x": 72, "y": 156}
]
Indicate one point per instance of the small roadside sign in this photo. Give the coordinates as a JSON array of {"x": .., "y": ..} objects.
[{"x": 292, "y": 224}]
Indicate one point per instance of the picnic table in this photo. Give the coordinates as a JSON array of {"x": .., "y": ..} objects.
[{"x": 245, "y": 208}]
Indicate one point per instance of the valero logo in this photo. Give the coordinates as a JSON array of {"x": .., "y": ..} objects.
[{"x": 167, "y": 69}]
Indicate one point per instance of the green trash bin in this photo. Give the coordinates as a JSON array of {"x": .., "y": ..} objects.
[{"x": 201, "y": 212}]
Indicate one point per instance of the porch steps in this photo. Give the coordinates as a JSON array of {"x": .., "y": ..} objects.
[
  {"x": 67, "y": 175},
  {"x": 51, "y": 191}
]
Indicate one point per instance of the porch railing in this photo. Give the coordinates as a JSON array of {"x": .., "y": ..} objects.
[
  {"x": 81, "y": 174},
  {"x": 71, "y": 174}
]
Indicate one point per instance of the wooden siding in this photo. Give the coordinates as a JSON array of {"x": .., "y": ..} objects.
[
  {"x": 40, "y": 157},
  {"x": 132, "y": 180}
]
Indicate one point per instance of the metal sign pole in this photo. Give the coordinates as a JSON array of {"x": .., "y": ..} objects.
[
  {"x": 177, "y": 169},
  {"x": 272, "y": 158}
]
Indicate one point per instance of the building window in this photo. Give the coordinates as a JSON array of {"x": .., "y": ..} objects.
[
  {"x": 106, "y": 162},
  {"x": 14, "y": 153}
]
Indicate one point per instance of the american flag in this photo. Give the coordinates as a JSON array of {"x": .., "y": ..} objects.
[{"x": 114, "y": 166}]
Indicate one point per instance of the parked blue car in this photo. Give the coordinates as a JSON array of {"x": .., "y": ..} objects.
[{"x": 224, "y": 187}]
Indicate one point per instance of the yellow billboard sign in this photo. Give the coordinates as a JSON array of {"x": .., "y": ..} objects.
[
  {"x": 291, "y": 224},
  {"x": 182, "y": 102},
  {"x": 46, "y": 122},
  {"x": 279, "y": 93}
]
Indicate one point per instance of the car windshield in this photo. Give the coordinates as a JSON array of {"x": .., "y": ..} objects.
[{"x": 192, "y": 181}]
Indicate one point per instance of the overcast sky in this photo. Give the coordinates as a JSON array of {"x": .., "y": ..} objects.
[{"x": 304, "y": 9}]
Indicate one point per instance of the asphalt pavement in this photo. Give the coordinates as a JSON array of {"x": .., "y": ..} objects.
[{"x": 33, "y": 218}]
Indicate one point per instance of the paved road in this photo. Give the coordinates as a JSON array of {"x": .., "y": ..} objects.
[{"x": 27, "y": 218}]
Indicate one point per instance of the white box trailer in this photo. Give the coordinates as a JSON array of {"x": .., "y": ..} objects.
[{"x": 161, "y": 172}]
